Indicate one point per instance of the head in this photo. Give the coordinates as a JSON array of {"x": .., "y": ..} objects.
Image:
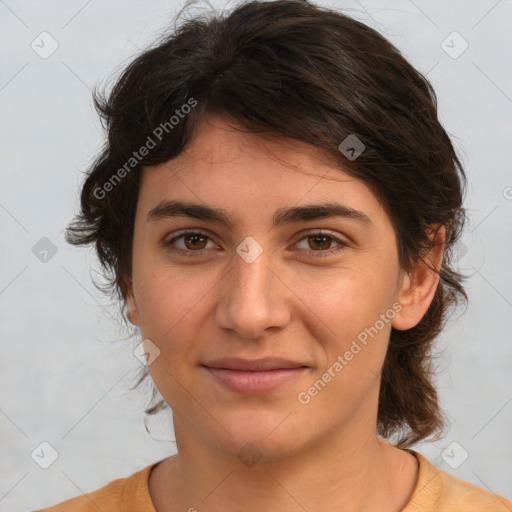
[{"x": 280, "y": 105}]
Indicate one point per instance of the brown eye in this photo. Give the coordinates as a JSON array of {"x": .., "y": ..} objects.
[
  {"x": 189, "y": 243},
  {"x": 320, "y": 244},
  {"x": 194, "y": 241}
]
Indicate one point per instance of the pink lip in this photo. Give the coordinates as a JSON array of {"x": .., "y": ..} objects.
[{"x": 254, "y": 382}]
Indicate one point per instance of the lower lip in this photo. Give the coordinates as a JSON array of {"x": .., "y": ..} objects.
[{"x": 254, "y": 382}]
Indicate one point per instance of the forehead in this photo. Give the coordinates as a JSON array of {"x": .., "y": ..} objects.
[
  {"x": 216, "y": 140},
  {"x": 226, "y": 166}
]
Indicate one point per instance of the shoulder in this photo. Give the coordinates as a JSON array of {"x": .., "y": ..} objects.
[
  {"x": 120, "y": 495},
  {"x": 471, "y": 496},
  {"x": 439, "y": 491}
]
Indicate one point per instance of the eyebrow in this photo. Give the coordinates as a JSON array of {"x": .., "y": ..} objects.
[{"x": 168, "y": 208}]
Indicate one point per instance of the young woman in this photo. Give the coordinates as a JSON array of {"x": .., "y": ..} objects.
[{"x": 276, "y": 207}]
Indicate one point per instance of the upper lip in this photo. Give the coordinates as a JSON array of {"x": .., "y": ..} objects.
[{"x": 255, "y": 365}]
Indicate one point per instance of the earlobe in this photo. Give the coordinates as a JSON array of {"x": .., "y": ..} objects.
[
  {"x": 419, "y": 285},
  {"x": 131, "y": 305}
]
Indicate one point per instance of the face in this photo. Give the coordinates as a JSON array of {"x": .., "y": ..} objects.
[{"x": 309, "y": 289}]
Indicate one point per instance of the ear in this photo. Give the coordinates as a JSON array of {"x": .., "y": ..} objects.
[
  {"x": 133, "y": 311},
  {"x": 418, "y": 287}
]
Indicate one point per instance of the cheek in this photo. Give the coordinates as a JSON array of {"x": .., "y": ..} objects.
[
  {"x": 345, "y": 314},
  {"x": 173, "y": 302},
  {"x": 172, "y": 307},
  {"x": 343, "y": 301},
  {"x": 344, "y": 311}
]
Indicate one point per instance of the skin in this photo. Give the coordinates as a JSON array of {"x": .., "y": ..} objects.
[{"x": 288, "y": 303}]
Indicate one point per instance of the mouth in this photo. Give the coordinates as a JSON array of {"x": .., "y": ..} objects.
[
  {"x": 254, "y": 376},
  {"x": 254, "y": 365}
]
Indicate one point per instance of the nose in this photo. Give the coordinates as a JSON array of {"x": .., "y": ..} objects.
[{"x": 254, "y": 298}]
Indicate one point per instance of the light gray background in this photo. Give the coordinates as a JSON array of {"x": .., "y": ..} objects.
[{"x": 66, "y": 365}]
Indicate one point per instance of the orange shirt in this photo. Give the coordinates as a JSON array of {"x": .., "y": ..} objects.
[{"x": 435, "y": 491}]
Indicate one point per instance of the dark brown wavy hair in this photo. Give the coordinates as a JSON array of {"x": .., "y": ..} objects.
[{"x": 290, "y": 68}]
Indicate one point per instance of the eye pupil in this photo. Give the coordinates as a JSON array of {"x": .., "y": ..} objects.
[
  {"x": 324, "y": 245},
  {"x": 194, "y": 244}
]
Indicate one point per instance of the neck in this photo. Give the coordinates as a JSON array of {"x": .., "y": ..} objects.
[{"x": 334, "y": 473}]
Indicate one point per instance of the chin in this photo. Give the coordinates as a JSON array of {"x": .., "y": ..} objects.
[{"x": 254, "y": 439}]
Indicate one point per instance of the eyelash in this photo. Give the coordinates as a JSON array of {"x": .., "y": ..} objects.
[{"x": 317, "y": 254}]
